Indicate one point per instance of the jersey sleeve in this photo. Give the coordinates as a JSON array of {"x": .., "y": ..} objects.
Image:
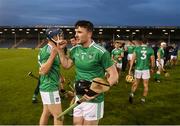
[
  {"x": 159, "y": 51},
  {"x": 71, "y": 54},
  {"x": 151, "y": 52},
  {"x": 112, "y": 53},
  {"x": 135, "y": 50},
  {"x": 106, "y": 60},
  {"x": 43, "y": 56}
]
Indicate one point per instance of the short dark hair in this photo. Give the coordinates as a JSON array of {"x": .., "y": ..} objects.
[{"x": 85, "y": 24}]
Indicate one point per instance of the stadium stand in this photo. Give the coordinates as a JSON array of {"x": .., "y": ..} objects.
[
  {"x": 6, "y": 43},
  {"x": 28, "y": 44},
  {"x": 33, "y": 37}
]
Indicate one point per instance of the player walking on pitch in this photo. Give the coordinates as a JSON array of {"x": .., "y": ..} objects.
[
  {"x": 144, "y": 57},
  {"x": 160, "y": 61}
]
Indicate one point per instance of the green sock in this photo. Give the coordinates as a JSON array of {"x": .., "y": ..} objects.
[{"x": 156, "y": 76}]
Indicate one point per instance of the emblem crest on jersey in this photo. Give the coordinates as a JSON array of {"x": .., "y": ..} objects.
[{"x": 90, "y": 56}]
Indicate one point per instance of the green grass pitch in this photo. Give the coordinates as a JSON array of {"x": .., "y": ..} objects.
[{"x": 16, "y": 90}]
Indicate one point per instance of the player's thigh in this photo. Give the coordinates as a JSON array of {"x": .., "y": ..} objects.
[
  {"x": 138, "y": 74},
  {"x": 52, "y": 101},
  {"x": 94, "y": 122},
  {"x": 162, "y": 62},
  {"x": 77, "y": 111},
  {"x": 129, "y": 56},
  {"x": 78, "y": 120},
  {"x": 145, "y": 74},
  {"x": 93, "y": 111},
  {"x": 55, "y": 109},
  {"x": 46, "y": 110}
]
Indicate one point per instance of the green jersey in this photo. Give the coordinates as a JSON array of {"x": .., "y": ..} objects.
[
  {"x": 90, "y": 62},
  {"x": 143, "y": 54},
  {"x": 116, "y": 53},
  {"x": 50, "y": 81},
  {"x": 130, "y": 49},
  {"x": 161, "y": 51}
]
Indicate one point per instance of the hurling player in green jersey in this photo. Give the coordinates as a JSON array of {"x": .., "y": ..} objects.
[
  {"x": 160, "y": 61},
  {"x": 145, "y": 61},
  {"x": 130, "y": 48},
  {"x": 91, "y": 61},
  {"x": 73, "y": 41},
  {"x": 49, "y": 71},
  {"x": 117, "y": 54}
]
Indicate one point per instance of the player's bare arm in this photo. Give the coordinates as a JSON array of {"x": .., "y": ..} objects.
[
  {"x": 66, "y": 62},
  {"x": 152, "y": 61},
  {"x": 159, "y": 57},
  {"x": 132, "y": 62}
]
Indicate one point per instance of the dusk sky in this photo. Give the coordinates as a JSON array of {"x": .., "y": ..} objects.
[{"x": 100, "y": 12}]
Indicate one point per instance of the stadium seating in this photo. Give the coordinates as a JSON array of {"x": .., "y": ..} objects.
[{"x": 6, "y": 43}]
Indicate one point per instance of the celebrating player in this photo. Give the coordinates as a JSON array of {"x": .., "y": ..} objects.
[
  {"x": 49, "y": 77},
  {"x": 91, "y": 61}
]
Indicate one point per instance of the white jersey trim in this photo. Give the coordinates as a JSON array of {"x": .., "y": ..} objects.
[
  {"x": 99, "y": 48},
  {"x": 74, "y": 47}
]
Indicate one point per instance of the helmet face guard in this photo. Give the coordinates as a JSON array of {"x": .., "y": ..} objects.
[{"x": 55, "y": 32}]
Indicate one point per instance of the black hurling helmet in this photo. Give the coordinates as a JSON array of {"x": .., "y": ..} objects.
[{"x": 51, "y": 32}]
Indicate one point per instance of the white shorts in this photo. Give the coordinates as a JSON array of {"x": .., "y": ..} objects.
[
  {"x": 50, "y": 97},
  {"x": 162, "y": 63},
  {"x": 144, "y": 74},
  {"x": 89, "y": 111},
  {"x": 129, "y": 56},
  {"x": 173, "y": 57},
  {"x": 119, "y": 65}
]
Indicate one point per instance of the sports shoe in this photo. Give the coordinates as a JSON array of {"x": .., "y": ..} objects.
[
  {"x": 34, "y": 99},
  {"x": 143, "y": 100},
  {"x": 131, "y": 96},
  {"x": 158, "y": 81}
]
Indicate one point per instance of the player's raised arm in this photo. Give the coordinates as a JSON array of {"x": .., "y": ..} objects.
[{"x": 65, "y": 60}]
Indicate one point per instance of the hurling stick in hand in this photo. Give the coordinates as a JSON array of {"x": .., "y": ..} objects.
[{"x": 98, "y": 86}]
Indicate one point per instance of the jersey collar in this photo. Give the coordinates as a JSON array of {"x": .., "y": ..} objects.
[
  {"x": 92, "y": 43},
  {"x": 143, "y": 45}
]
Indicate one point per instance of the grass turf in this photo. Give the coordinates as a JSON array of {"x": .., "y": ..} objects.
[{"x": 16, "y": 90}]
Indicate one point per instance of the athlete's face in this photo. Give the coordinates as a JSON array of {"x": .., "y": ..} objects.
[
  {"x": 164, "y": 46},
  {"x": 117, "y": 45},
  {"x": 82, "y": 35},
  {"x": 73, "y": 41}
]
